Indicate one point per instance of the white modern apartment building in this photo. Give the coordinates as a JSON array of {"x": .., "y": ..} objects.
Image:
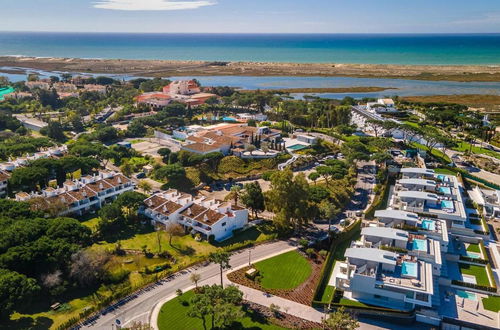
[
  {"x": 208, "y": 217},
  {"x": 433, "y": 228},
  {"x": 488, "y": 199},
  {"x": 442, "y": 199},
  {"x": 384, "y": 278},
  {"x": 397, "y": 240},
  {"x": 88, "y": 194}
]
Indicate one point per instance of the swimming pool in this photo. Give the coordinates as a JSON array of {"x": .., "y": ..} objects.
[
  {"x": 297, "y": 147},
  {"x": 467, "y": 295},
  {"x": 5, "y": 90},
  {"x": 409, "y": 269},
  {"x": 442, "y": 177},
  {"x": 229, "y": 119},
  {"x": 473, "y": 255},
  {"x": 447, "y": 205},
  {"x": 429, "y": 225},
  {"x": 419, "y": 245},
  {"x": 445, "y": 190}
]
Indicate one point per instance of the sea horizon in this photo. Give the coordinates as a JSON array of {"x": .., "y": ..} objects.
[{"x": 357, "y": 48}]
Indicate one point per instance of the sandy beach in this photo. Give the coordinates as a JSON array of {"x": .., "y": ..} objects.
[{"x": 163, "y": 68}]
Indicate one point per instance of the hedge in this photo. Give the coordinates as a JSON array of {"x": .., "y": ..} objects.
[
  {"x": 326, "y": 272},
  {"x": 474, "y": 286},
  {"x": 380, "y": 201},
  {"x": 474, "y": 260}
]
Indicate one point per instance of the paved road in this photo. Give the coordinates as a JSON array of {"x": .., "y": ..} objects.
[{"x": 140, "y": 308}]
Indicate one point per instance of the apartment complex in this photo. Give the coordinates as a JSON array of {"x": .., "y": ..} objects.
[
  {"x": 81, "y": 196},
  {"x": 199, "y": 215},
  {"x": 424, "y": 253}
]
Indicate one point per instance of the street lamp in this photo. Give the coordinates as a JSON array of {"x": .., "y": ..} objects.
[{"x": 249, "y": 257}]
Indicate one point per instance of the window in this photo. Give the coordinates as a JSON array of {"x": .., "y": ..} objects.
[{"x": 223, "y": 224}]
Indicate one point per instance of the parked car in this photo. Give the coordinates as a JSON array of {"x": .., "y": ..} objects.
[{"x": 141, "y": 175}]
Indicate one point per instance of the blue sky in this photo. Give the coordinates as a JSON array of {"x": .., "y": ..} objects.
[{"x": 252, "y": 16}]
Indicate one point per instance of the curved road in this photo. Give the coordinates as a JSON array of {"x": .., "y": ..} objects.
[{"x": 140, "y": 309}]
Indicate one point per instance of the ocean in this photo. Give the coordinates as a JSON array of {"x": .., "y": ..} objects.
[{"x": 436, "y": 49}]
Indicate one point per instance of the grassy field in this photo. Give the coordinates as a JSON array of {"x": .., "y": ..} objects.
[
  {"x": 465, "y": 147},
  {"x": 492, "y": 304},
  {"x": 285, "y": 271},
  {"x": 478, "y": 271},
  {"x": 184, "y": 249},
  {"x": 173, "y": 315},
  {"x": 435, "y": 152},
  {"x": 444, "y": 171}
]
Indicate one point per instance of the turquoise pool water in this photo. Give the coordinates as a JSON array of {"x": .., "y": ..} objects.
[
  {"x": 229, "y": 119},
  {"x": 409, "y": 269},
  {"x": 447, "y": 205},
  {"x": 419, "y": 245},
  {"x": 467, "y": 295},
  {"x": 473, "y": 255},
  {"x": 297, "y": 147},
  {"x": 5, "y": 90},
  {"x": 429, "y": 225},
  {"x": 445, "y": 190}
]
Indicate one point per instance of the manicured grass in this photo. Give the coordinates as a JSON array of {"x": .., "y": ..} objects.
[
  {"x": 492, "y": 303},
  {"x": 285, "y": 271},
  {"x": 349, "y": 302},
  {"x": 173, "y": 315},
  {"x": 260, "y": 233},
  {"x": 445, "y": 171},
  {"x": 474, "y": 248},
  {"x": 478, "y": 271},
  {"x": 328, "y": 294}
]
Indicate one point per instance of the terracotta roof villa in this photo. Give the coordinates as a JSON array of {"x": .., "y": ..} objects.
[{"x": 207, "y": 217}]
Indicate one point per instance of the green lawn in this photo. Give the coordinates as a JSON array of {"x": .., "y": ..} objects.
[
  {"x": 492, "y": 303},
  {"x": 445, "y": 171},
  {"x": 474, "y": 248},
  {"x": 478, "y": 271},
  {"x": 285, "y": 271},
  {"x": 349, "y": 302},
  {"x": 435, "y": 152},
  {"x": 173, "y": 315},
  {"x": 328, "y": 294},
  {"x": 465, "y": 146}
]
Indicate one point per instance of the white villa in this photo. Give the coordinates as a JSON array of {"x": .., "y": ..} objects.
[
  {"x": 208, "y": 217},
  {"x": 88, "y": 194},
  {"x": 417, "y": 173},
  {"x": 382, "y": 106}
]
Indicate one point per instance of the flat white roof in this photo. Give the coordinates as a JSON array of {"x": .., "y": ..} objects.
[
  {"x": 418, "y": 195},
  {"x": 418, "y": 182},
  {"x": 369, "y": 254},
  {"x": 386, "y": 232},
  {"x": 396, "y": 214},
  {"x": 417, "y": 170}
]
